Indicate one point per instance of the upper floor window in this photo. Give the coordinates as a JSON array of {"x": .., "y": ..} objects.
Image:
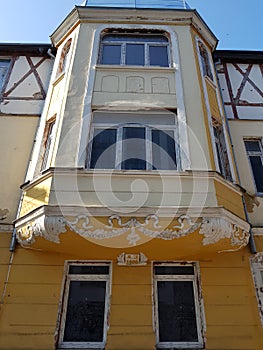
[
  {"x": 178, "y": 308},
  {"x": 4, "y": 66},
  {"x": 64, "y": 58},
  {"x": 85, "y": 306},
  {"x": 137, "y": 145},
  {"x": 255, "y": 154},
  {"x": 221, "y": 150},
  {"x": 135, "y": 49},
  {"x": 48, "y": 139},
  {"x": 205, "y": 61}
]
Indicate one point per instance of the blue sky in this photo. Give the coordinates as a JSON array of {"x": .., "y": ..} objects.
[{"x": 236, "y": 23}]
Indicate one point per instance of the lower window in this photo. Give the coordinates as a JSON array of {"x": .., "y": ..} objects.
[
  {"x": 83, "y": 321},
  {"x": 179, "y": 324}
]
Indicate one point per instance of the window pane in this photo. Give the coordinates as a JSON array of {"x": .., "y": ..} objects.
[
  {"x": 174, "y": 270},
  {"x": 134, "y": 54},
  {"x": 111, "y": 54},
  {"x": 158, "y": 56},
  {"x": 163, "y": 150},
  {"x": 176, "y": 311},
  {"x": 103, "y": 149},
  {"x": 257, "y": 168},
  {"x": 48, "y": 145},
  {"x": 252, "y": 146},
  {"x": 133, "y": 149},
  {"x": 88, "y": 270},
  {"x": 85, "y": 312}
]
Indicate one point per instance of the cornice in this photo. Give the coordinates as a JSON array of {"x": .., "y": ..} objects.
[{"x": 82, "y": 14}]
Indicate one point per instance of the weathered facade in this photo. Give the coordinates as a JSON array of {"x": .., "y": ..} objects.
[{"x": 138, "y": 225}]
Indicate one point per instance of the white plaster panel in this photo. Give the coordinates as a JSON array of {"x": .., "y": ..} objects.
[
  {"x": 235, "y": 77},
  {"x": 229, "y": 112},
  {"x": 32, "y": 107},
  {"x": 224, "y": 88},
  {"x": 250, "y": 112}
]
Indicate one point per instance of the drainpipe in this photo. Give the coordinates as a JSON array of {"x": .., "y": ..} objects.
[{"x": 252, "y": 243}]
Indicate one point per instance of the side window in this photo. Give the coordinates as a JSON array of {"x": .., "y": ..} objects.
[
  {"x": 135, "y": 49},
  {"x": 255, "y": 155},
  {"x": 257, "y": 272},
  {"x": 221, "y": 150},
  {"x": 133, "y": 146},
  {"x": 205, "y": 61},
  {"x": 64, "y": 58},
  {"x": 4, "y": 66},
  {"x": 48, "y": 138},
  {"x": 83, "y": 322},
  {"x": 178, "y": 307}
]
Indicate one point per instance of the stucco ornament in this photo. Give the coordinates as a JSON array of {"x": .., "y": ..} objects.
[
  {"x": 48, "y": 227},
  {"x": 149, "y": 226},
  {"x": 3, "y": 214},
  {"x": 215, "y": 229},
  {"x": 132, "y": 259}
]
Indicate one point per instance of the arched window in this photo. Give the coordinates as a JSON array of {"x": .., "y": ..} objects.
[
  {"x": 205, "y": 61},
  {"x": 137, "y": 49},
  {"x": 64, "y": 58}
]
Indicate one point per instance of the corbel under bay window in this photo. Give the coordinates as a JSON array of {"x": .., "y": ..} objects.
[
  {"x": 179, "y": 321},
  {"x": 85, "y": 306}
]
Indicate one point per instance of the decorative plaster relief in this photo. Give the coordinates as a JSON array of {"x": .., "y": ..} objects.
[
  {"x": 134, "y": 84},
  {"x": 132, "y": 259},
  {"x": 215, "y": 229},
  {"x": 160, "y": 85},
  {"x": 50, "y": 227},
  {"x": 3, "y": 214},
  {"x": 110, "y": 83}
]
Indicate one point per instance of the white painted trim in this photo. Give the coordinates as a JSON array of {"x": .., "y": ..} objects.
[
  {"x": 200, "y": 319},
  {"x": 64, "y": 301},
  {"x": 175, "y": 62},
  {"x": 256, "y": 264},
  {"x": 209, "y": 114}
]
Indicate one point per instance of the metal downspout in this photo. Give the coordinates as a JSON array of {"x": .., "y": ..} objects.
[{"x": 252, "y": 244}]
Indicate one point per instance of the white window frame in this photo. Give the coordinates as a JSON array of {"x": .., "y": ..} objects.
[
  {"x": 64, "y": 302},
  {"x": 256, "y": 263},
  {"x": 148, "y": 143},
  {"x": 49, "y": 138},
  {"x": 146, "y": 44},
  {"x": 255, "y": 153},
  {"x": 199, "y": 307}
]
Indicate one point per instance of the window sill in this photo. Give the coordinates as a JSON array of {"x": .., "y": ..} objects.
[{"x": 134, "y": 68}]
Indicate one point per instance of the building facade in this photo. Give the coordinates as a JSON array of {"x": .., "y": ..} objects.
[{"x": 138, "y": 222}]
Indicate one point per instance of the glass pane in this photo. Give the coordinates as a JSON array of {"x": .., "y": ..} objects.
[
  {"x": 252, "y": 146},
  {"x": 134, "y": 54},
  {"x": 47, "y": 145},
  {"x": 158, "y": 56},
  {"x": 163, "y": 150},
  {"x": 174, "y": 270},
  {"x": 111, "y": 54},
  {"x": 85, "y": 312},
  {"x": 257, "y": 168},
  {"x": 88, "y": 270},
  {"x": 133, "y": 149},
  {"x": 176, "y": 311},
  {"x": 103, "y": 149}
]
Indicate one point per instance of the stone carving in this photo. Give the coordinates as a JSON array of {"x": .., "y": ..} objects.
[
  {"x": 48, "y": 227},
  {"x": 132, "y": 259},
  {"x": 82, "y": 227},
  {"x": 215, "y": 229},
  {"x": 3, "y": 214}
]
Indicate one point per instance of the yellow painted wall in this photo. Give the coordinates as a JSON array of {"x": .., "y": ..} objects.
[{"x": 29, "y": 313}]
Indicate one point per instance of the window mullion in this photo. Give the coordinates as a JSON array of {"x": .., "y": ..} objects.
[
  {"x": 119, "y": 148},
  {"x": 146, "y": 54},
  {"x": 123, "y": 54},
  {"x": 148, "y": 148}
]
